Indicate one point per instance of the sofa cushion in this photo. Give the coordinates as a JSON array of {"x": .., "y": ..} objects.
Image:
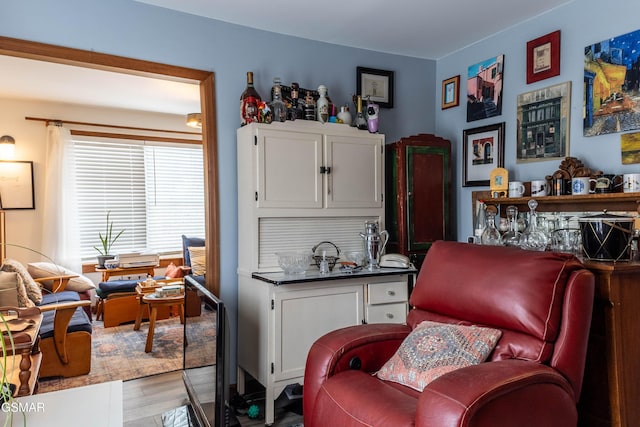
[
  {"x": 174, "y": 272},
  {"x": 79, "y": 322},
  {"x": 197, "y": 255},
  {"x": 432, "y": 349},
  {"x": 64, "y": 296},
  {"x": 32, "y": 290},
  {"x": 188, "y": 242},
  {"x": 38, "y": 270}
]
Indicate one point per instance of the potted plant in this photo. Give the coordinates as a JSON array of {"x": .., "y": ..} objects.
[{"x": 107, "y": 240}]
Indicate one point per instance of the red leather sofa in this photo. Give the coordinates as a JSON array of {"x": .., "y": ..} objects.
[{"x": 542, "y": 303}]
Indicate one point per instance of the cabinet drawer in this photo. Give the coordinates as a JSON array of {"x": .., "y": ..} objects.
[
  {"x": 384, "y": 293},
  {"x": 387, "y": 313}
]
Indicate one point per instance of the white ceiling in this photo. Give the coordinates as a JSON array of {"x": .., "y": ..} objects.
[
  {"x": 419, "y": 28},
  {"x": 427, "y": 29}
]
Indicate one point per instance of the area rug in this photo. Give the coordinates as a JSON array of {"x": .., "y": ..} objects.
[{"x": 118, "y": 352}]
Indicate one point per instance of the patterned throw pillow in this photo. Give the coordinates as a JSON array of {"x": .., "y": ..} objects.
[
  {"x": 432, "y": 349},
  {"x": 31, "y": 288},
  {"x": 198, "y": 260}
]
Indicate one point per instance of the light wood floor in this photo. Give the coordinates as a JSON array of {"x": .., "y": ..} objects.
[{"x": 146, "y": 399}]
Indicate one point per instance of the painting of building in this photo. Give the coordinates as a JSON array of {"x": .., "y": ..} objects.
[{"x": 484, "y": 89}]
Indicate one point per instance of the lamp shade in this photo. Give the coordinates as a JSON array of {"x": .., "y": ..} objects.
[
  {"x": 194, "y": 120},
  {"x": 7, "y": 147}
]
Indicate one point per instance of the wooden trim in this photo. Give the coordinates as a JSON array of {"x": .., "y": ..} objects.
[
  {"x": 135, "y": 137},
  {"x": 104, "y": 125},
  {"x": 84, "y": 58}
]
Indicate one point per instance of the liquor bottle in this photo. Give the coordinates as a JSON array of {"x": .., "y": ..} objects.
[
  {"x": 249, "y": 101},
  {"x": 292, "y": 114},
  {"x": 323, "y": 105},
  {"x": 278, "y": 107},
  {"x": 360, "y": 122},
  {"x": 309, "y": 107}
]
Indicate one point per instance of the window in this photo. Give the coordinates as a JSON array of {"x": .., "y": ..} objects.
[{"x": 154, "y": 191}]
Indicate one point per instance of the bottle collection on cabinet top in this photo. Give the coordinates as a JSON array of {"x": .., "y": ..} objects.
[{"x": 294, "y": 103}]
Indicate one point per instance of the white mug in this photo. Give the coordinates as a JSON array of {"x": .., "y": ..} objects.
[
  {"x": 582, "y": 185},
  {"x": 631, "y": 182},
  {"x": 539, "y": 188},
  {"x": 516, "y": 189}
]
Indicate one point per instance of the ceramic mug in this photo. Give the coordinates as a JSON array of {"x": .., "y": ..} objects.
[
  {"x": 582, "y": 185},
  {"x": 631, "y": 182},
  {"x": 516, "y": 189},
  {"x": 559, "y": 186},
  {"x": 539, "y": 188},
  {"x": 608, "y": 183}
]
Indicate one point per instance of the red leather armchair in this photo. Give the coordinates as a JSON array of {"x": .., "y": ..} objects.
[{"x": 542, "y": 303}]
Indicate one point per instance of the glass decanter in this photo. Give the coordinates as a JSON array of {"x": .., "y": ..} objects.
[
  {"x": 532, "y": 238},
  {"x": 512, "y": 236},
  {"x": 491, "y": 235}
]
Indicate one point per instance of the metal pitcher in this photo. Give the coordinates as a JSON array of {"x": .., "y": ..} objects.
[{"x": 373, "y": 244}]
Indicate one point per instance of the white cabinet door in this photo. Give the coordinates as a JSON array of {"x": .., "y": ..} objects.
[
  {"x": 304, "y": 315},
  {"x": 288, "y": 169},
  {"x": 355, "y": 179}
]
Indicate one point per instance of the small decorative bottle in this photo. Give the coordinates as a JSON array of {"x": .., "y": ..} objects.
[
  {"x": 512, "y": 237},
  {"x": 249, "y": 101},
  {"x": 491, "y": 235},
  {"x": 344, "y": 115},
  {"x": 360, "y": 122},
  {"x": 322, "y": 105},
  {"x": 532, "y": 238},
  {"x": 296, "y": 110},
  {"x": 278, "y": 107},
  {"x": 481, "y": 222},
  {"x": 309, "y": 107}
]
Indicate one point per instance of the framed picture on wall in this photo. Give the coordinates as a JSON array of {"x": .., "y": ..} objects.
[
  {"x": 451, "y": 92},
  {"x": 376, "y": 85},
  {"x": 483, "y": 151},
  {"x": 543, "y": 123},
  {"x": 543, "y": 57},
  {"x": 16, "y": 185},
  {"x": 484, "y": 89}
]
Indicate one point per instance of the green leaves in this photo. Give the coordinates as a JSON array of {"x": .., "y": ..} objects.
[{"x": 107, "y": 240}]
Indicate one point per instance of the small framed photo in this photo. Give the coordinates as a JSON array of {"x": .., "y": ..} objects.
[
  {"x": 451, "y": 92},
  {"x": 376, "y": 85},
  {"x": 543, "y": 57},
  {"x": 16, "y": 185},
  {"x": 483, "y": 151}
]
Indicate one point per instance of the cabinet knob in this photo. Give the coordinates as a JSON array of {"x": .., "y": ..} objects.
[
  {"x": 391, "y": 293},
  {"x": 389, "y": 315}
]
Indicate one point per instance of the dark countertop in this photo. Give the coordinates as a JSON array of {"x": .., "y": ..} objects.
[{"x": 313, "y": 275}]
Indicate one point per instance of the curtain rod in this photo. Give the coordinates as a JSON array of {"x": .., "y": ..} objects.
[{"x": 47, "y": 121}]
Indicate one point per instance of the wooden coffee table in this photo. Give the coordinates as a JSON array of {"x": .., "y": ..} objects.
[{"x": 154, "y": 302}]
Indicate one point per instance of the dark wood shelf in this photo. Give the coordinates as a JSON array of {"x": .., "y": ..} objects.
[{"x": 627, "y": 202}]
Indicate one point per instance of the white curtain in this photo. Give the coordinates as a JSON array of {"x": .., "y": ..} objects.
[{"x": 60, "y": 239}]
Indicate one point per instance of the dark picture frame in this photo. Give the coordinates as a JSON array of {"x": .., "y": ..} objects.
[
  {"x": 483, "y": 151},
  {"x": 543, "y": 57},
  {"x": 376, "y": 85},
  {"x": 16, "y": 185},
  {"x": 451, "y": 92},
  {"x": 543, "y": 118}
]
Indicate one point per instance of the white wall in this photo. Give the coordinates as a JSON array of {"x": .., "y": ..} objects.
[{"x": 582, "y": 22}]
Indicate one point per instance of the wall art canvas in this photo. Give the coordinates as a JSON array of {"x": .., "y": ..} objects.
[
  {"x": 630, "y": 148},
  {"x": 611, "y": 85},
  {"x": 543, "y": 123},
  {"x": 484, "y": 89}
]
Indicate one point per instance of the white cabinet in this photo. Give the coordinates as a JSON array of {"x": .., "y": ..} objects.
[
  {"x": 280, "y": 317},
  {"x": 314, "y": 165}
]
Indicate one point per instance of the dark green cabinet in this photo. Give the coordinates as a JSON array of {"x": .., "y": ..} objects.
[{"x": 418, "y": 189}]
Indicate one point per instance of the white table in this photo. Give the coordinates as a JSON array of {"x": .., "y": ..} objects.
[{"x": 97, "y": 405}]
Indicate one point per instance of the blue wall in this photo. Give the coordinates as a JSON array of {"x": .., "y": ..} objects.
[
  {"x": 582, "y": 22},
  {"x": 137, "y": 30}
]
